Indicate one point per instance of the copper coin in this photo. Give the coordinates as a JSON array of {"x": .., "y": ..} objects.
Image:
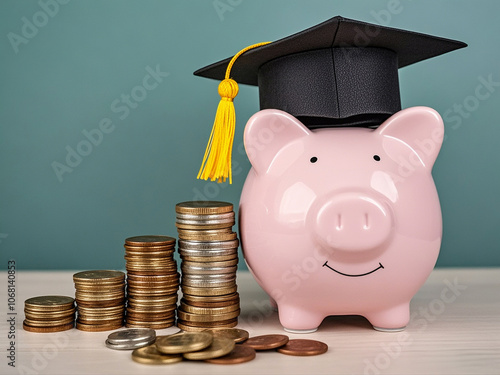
[
  {"x": 195, "y": 328},
  {"x": 303, "y": 347},
  {"x": 266, "y": 342},
  {"x": 239, "y": 354},
  {"x": 96, "y": 276},
  {"x": 150, "y": 240},
  {"x": 61, "y": 328},
  {"x": 49, "y": 303},
  {"x": 98, "y": 327}
]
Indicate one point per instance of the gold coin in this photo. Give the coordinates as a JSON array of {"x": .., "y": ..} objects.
[
  {"x": 100, "y": 288},
  {"x": 217, "y": 258},
  {"x": 147, "y": 249},
  {"x": 157, "y": 300},
  {"x": 209, "y": 310},
  {"x": 154, "y": 278},
  {"x": 200, "y": 291},
  {"x": 49, "y": 323},
  {"x": 220, "y": 346},
  {"x": 49, "y": 303},
  {"x": 99, "y": 276},
  {"x": 236, "y": 334},
  {"x": 209, "y": 237},
  {"x": 208, "y": 284},
  {"x": 183, "y": 342},
  {"x": 210, "y": 299},
  {"x": 100, "y": 304},
  {"x": 151, "y": 309},
  {"x": 100, "y": 310},
  {"x": 60, "y": 328},
  {"x": 205, "y": 318},
  {"x": 213, "y": 245},
  {"x": 151, "y": 356},
  {"x": 98, "y": 327},
  {"x": 203, "y": 207},
  {"x": 199, "y": 327},
  {"x": 49, "y": 314},
  {"x": 155, "y": 325},
  {"x": 227, "y": 215},
  {"x": 150, "y": 240}
]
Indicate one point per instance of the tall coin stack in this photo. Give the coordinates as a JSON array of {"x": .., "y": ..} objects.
[
  {"x": 209, "y": 251},
  {"x": 152, "y": 281},
  {"x": 100, "y": 300}
]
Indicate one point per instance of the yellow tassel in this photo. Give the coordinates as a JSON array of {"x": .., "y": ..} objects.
[{"x": 216, "y": 163}]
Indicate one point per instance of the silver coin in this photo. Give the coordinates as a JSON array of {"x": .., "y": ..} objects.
[
  {"x": 205, "y": 222},
  {"x": 131, "y": 335},
  {"x": 227, "y": 215},
  {"x": 131, "y": 345},
  {"x": 209, "y": 270},
  {"x": 209, "y": 277},
  {"x": 208, "y": 245},
  {"x": 209, "y": 253}
]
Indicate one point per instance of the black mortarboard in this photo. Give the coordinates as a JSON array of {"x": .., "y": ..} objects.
[{"x": 340, "y": 72}]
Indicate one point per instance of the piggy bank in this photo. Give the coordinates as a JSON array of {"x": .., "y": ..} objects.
[{"x": 341, "y": 221}]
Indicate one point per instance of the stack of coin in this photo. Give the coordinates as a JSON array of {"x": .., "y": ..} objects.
[
  {"x": 152, "y": 281},
  {"x": 209, "y": 251},
  {"x": 130, "y": 339},
  {"x": 49, "y": 314},
  {"x": 100, "y": 299}
]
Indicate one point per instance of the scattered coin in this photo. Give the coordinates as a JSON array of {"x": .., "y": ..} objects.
[
  {"x": 219, "y": 347},
  {"x": 129, "y": 346},
  {"x": 266, "y": 342},
  {"x": 303, "y": 347},
  {"x": 151, "y": 356},
  {"x": 236, "y": 334},
  {"x": 183, "y": 342},
  {"x": 239, "y": 354},
  {"x": 131, "y": 335}
]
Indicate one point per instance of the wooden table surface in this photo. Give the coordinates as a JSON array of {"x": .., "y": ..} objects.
[{"x": 455, "y": 329}]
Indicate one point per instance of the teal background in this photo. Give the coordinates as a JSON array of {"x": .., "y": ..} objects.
[{"x": 65, "y": 78}]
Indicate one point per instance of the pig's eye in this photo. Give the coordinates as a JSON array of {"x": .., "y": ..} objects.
[
  {"x": 314, "y": 159},
  {"x": 376, "y": 157}
]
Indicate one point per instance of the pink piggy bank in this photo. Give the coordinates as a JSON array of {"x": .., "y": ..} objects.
[{"x": 341, "y": 221}]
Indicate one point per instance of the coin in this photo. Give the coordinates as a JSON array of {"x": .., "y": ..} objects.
[
  {"x": 155, "y": 325},
  {"x": 215, "y": 225},
  {"x": 303, "y": 347},
  {"x": 219, "y": 347},
  {"x": 150, "y": 240},
  {"x": 211, "y": 264},
  {"x": 236, "y": 334},
  {"x": 192, "y": 317},
  {"x": 209, "y": 310},
  {"x": 130, "y": 345},
  {"x": 239, "y": 354},
  {"x": 151, "y": 356},
  {"x": 99, "y": 276},
  {"x": 213, "y": 245},
  {"x": 49, "y": 303},
  {"x": 266, "y": 342},
  {"x": 203, "y": 326},
  {"x": 204, "y": 218},
  {"x": 200, "y": 291},
  {"x": 183, "y": 342},
  {"x": 60, "y": 328},
  {"x": 98, "y": 327},
  {"x": 203, "y": 207},
  {"x": 49, "y": 323}
]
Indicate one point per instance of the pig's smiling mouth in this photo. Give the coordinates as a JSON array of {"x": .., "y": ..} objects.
[{"x": 362, "y": 274}]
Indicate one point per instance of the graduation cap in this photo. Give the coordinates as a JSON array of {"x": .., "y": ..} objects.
[{"x": 341, "y": 72}]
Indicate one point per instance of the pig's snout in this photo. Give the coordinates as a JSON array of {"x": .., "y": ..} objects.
[{"x": 353, "y": 222}]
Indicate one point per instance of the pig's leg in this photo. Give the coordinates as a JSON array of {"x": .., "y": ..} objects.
[
  {"x": 392, "y": 319},
  {"x": 274, "y": 305},
  {"x": 296, "y": 320}
]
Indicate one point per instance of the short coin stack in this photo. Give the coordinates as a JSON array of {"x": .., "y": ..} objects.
[
  {"x": 100, "y": 299},
  {"x": 131, "y": 338},
  {"x": 49, "y": 314},
  {"x": 152, "y": 281},
  {"x": 209, "y": 251}
]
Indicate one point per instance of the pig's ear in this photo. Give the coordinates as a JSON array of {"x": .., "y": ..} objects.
[
  {"x": 420, "y": 128},
  {"x": 267, "y": 133}
]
